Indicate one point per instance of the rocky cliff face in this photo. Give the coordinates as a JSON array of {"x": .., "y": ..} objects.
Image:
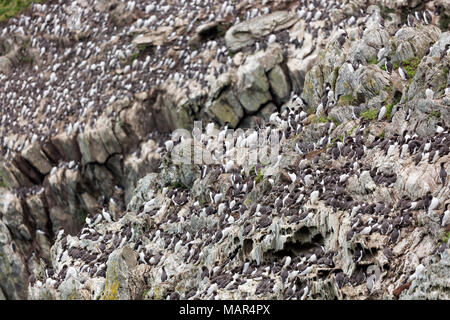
[{"x": 95, "y": 203}]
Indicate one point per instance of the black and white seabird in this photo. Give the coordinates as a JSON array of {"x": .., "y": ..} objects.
[
  {"x": 427, "y": 18},
  {"x": 357, "y": 256},
  {"x": 388, "y": 65},
  {"x": 411, "y": 20},
  {"x": 443, "y": 173},
  {"x": 395, "y": 234},
  {"x": 446, "y": 216},
  {"x": 403, "y": 74},
  {"x": 163, "y": 275}
]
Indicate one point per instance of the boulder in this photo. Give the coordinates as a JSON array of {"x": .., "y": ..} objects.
[
  {"x": 432, "y": 283},
  {"x": 432, "y": 71},
  {"x": 409, "y": 42},
  {"x": 38, "y": 209},
  {"x": 91, "y": 147},
  {"x": 247, "y": 32},
  {"x": 253, "y": 84},
  {"x": 154, "y": 38},
  {"x": 119, "y": 265},
  {"x": 67, "y": 146},
  {"x": 13, "y": 273},
  {"x": 37, "y": 158},
  {"x": 280, "y": 84},
  {"x": 226, "y": 108},
  {"x": 5, "y": 65}
]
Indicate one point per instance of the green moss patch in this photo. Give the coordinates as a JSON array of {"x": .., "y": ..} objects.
[
  {"x": 445, "y": 70},
  {"x": 372, "y": 60},
  {"x": 336, "y": 139},
  {"x": 394, "y": 100},
  {"x": 434, "y": 114},
  {"x": 322, "y": 119},
  {"x": 259, "y": 176},
  {"x": 346, "y": 100},
  {"x": 349, "y": 133},
  {"x": 389, "y": 108},
  {"x": 444, "y": 20},
  {"x": 10, "y": 8},
  {"x": 82, "y": 215},
  {"x": 445, "y": 237},
  {"x": 334, "y": 120},
  {"x": 370, "y": 114},
  {"x": 177, "y": 184},
  {"x": 385, "y": 11},
  {"x": 335, "y": 76},
  {"x": 410, "y": 66},
  {"x": 325, "y": 119}
]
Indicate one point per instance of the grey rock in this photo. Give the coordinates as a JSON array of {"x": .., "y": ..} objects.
[
  {"x": 13, "y": 273},
  {"x": 413, "y": 42},
  {"x": 117, "y": 285},
  {"x": 246, "y": 33},
  {"x": 433, "y": 283},
  {"x": 37, "y": 158},
  {"x": 5, "y": 65},
  {"x": 226, "y": 108},
  {"x": 280, "y": 84}
]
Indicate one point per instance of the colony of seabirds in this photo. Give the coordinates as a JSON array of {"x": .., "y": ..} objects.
[
  {"x": 71, "y": 81},
  {"x": 73, "y": 78},
  {"x": 86, "y": 61},
  {"x": 291, "y": 199}
]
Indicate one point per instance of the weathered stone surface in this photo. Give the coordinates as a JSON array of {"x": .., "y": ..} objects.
[
  {"x": 37, "y": 158},
  {"x": 335, "y": 168},
  {"x": 411, "y": 42},
  {"x": 105, "y": 128},
  {"x": 61, "y": 191},
  {"x": 117, "y": 283},
  {"x": 246, "y": 33},
  {"x": 13, "y": 215},
  {"x": 154, "y": 38},
  {"x": 91, "y": 147},
  {"x": 67, "y": 146},
  {"x": 267, "y": 111},
  {"x": 30, "y": 174},
  {"x": 253, "y": 84},
  {"x": 370, "y": 83},
  {"x": 227, "y": 108},
  {"x": 179, "y": 168},
  {"x": 13, "y": 283},
  {"x": 7, "y": 177},
  {"x": 172, "y": 107},
  {"x": 69, "y": 289},
  {"x": 5, "y": 65},
  {"x": 432, "y": 71},
  {"x": 140, "y": 194},
  {"x": 38, "y": 209},
  {"x": 432, "y": 283},
  {"x": 279, "y": 83},
  {"x": 137, "y": 167}
]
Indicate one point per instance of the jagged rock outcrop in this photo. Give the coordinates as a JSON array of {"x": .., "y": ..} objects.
[
  {"x": 98, "y": 208},
  {"x": 431, "y": 283},
  {"x": 246, "y": 33}
]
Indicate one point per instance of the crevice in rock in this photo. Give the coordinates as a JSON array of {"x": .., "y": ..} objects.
[
  {"x": 51, "y": 152},
  {"x": 27, "y": 169}
]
